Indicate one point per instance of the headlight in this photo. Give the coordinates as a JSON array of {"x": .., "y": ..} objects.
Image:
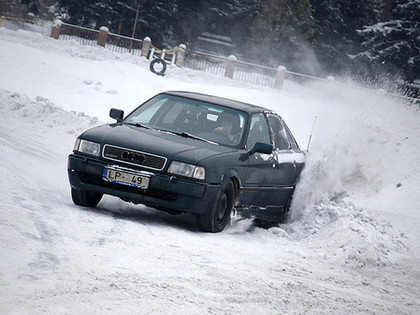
[
  {"x": 87, "y": 147},
  {"x": 188, "y": 170}
]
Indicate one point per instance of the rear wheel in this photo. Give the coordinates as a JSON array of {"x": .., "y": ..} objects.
[
  {"x": 283, "y": 213},
  {"x": 85, "y": 198},
  {"x": 216, "y": 219}
]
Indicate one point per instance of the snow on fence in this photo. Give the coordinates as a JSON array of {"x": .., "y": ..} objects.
[
  {"x": 113, "y": 42},
  {"x": 228, "y": 66},
  {"x": 171, "y": 56},
  {"x": 205, "y": 62},
  {"x": 243, "y": 71},
  {"x": 83, "y": 35},
  {"x": 255, "y": 74},
  {"x": 124, "y": 44}
]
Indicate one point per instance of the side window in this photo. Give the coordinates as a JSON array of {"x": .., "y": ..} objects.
[
  {"x": 278, "y": 131},
  {"x": 258, "y": 131},
  {"x": 293, "y": 143}
]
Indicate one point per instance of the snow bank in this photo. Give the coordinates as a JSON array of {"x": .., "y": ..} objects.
[{"x": 41, "y": 114}]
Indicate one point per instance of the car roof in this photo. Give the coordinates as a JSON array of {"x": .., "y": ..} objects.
[{"x": 249, "y": 108}]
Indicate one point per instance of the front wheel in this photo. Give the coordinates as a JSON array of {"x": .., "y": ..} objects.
[
  {"x": 85, "y": 198},
  {"x": 218, "y": 216}
]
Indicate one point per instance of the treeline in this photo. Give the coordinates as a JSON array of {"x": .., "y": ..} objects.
[{"x": 371, "y": 39}]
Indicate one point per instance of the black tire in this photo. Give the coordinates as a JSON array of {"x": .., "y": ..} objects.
[
  {"x": 154, "y": 62},
  {"x": 85, "y": 198},
  {"x": 284, "y": 212},
  {"x": 218, "y": 216}
]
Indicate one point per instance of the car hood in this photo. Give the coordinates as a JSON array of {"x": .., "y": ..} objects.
[{"x": 173, "y": 147}]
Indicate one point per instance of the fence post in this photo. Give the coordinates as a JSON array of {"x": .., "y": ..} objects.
[
  {"x": 30, "y": 16},
  {"x": 173, "y": 57},
  {"x": 180, "y": 55},
  {"x": 230, "y": 66},
  {"x": 280, "y": 77},
  {"x": 102, "y": 36},
  {"x": 2, "y": 20},
  {"x": 55, "y": 31},
  {"x": 145, "y": 47},
  {"x": 152, "y": 53}
]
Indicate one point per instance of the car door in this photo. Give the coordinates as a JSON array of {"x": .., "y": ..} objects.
[
  {"x": 288, "y": 159},
  {"x": 259, "y": 186}
]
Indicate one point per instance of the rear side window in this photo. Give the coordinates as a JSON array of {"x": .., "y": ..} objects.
[
  {"x": 292, "y": 140},
  {"x": 278, "y": 131}
]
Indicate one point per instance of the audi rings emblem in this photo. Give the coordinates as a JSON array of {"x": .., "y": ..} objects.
[{"x": 133, "y": 157}]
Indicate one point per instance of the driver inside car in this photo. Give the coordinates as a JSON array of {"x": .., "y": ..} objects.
[{"x": 229, "y": 126}]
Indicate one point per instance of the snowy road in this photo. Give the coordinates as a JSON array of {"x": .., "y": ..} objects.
[{"x": 352, "y": 245}]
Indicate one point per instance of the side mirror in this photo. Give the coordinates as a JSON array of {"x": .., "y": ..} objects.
[
  {"x": 259, "y": 147},
  {"x": 117, "y": 114}
]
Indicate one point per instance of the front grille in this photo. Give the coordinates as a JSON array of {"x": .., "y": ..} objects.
[{"x": 143, "y": 159}]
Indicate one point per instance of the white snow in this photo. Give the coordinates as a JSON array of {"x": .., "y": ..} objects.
[{"x": 351, "y": 245}]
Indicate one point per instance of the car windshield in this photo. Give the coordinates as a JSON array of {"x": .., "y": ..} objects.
[{"x": 191, "y": 118}]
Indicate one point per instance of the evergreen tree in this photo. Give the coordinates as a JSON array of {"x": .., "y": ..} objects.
[
  {"x": 20, "y": 8},
  {"x": 236, "y": 23},
  {"x": 221, "y": 17},
  {"x": 393, "y": 47},
  {"x": 33, "y": 6},
  {"x": 172, "y": 22},
  {"x": 280, "y": 31},
  {"x": 89, "y": 13},
  {"x": 167, "y": 22},
  {"x": 155, "y": 21},
  {"x": 336, "y": 25},
  {"x": 154, "y": 16}
]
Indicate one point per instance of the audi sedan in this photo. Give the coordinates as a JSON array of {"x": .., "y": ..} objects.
[{"x": 189, "y": 152}]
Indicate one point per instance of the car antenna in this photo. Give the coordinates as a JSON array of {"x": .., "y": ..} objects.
[{"x": 310, "y": 136}]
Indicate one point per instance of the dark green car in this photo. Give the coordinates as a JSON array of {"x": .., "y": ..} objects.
[{"x": 189, "y": 152}]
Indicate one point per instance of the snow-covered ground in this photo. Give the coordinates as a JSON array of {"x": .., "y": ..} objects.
[{"x": 352, "y": 244}]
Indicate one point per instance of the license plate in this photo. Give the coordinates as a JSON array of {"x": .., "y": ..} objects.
[{"x": 125, "y": 178}]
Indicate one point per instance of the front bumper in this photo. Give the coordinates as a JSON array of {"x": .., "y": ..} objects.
[{"x": 164, "y": 192}]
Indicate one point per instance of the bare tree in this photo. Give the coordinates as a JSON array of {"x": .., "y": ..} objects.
[{"x": 137, "y": 4}]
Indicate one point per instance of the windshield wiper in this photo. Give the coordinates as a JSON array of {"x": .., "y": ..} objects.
[
  {"x": 139, "y": 125},
  {"x": 182, "y": 134},
  {"x": 187, "y": 135}
]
